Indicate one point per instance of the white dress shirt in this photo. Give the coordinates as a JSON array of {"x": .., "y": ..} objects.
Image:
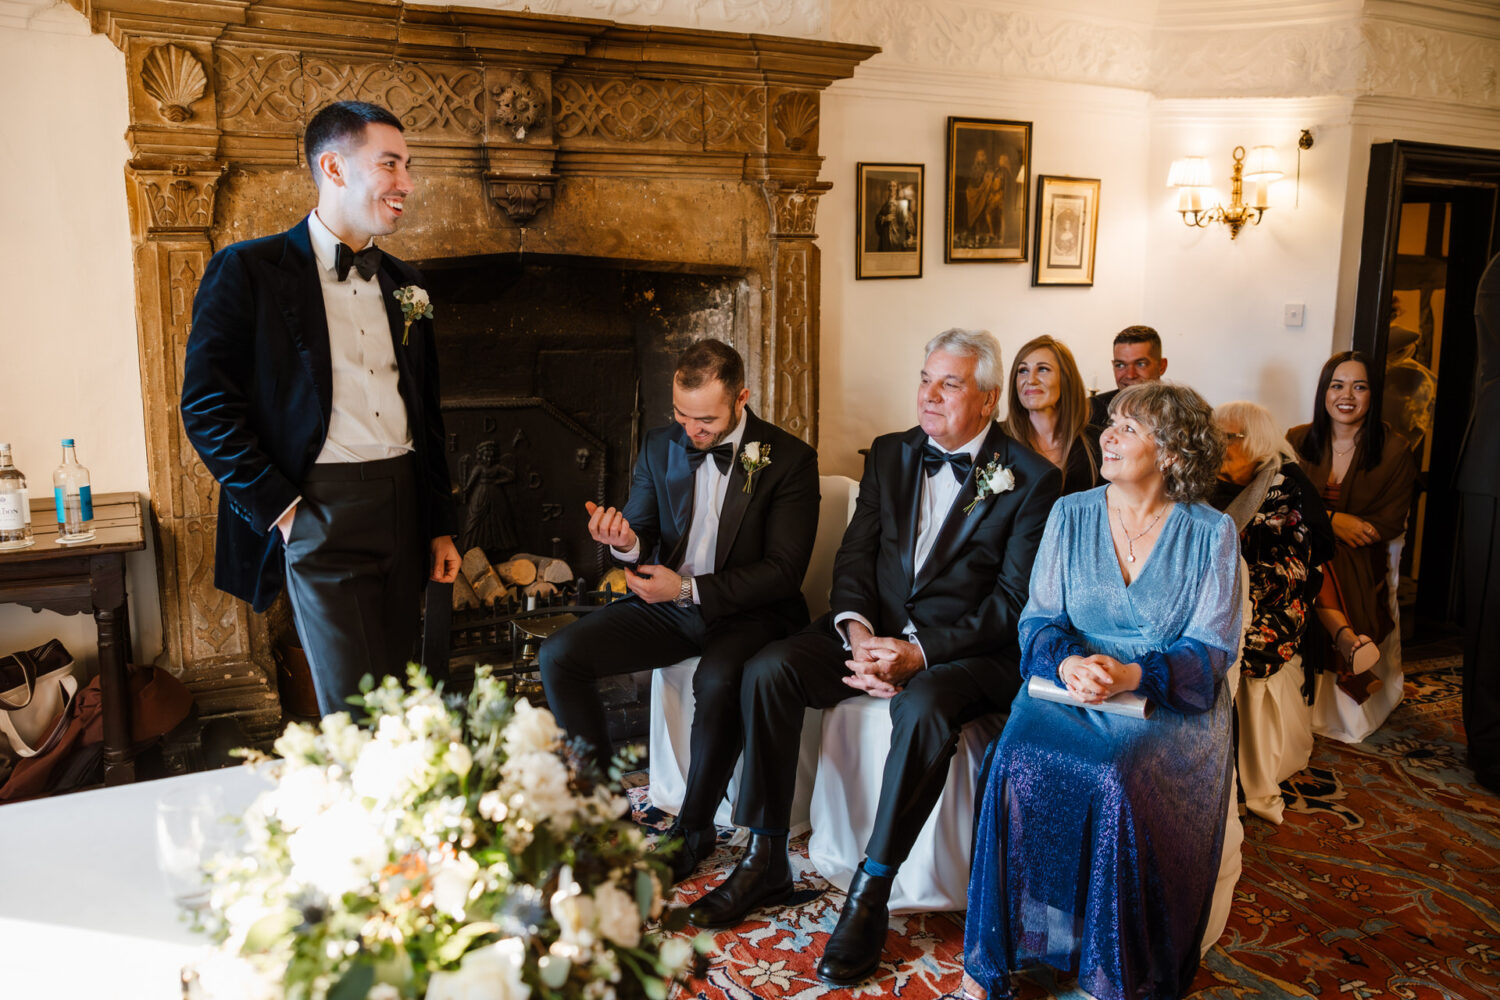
[
  {"x": 936, "y": 497},
  {"x": 369, "y": 417},
  {"x": 709, "y": 489}
]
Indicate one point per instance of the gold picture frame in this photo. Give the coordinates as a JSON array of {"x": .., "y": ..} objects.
[
  {"x": 1067, "y": 230},
  {"x": 989, "y": 170},
  {"x": 888, "y": 220}
]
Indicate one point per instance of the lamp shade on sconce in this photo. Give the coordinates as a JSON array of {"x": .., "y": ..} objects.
[
  {"x": 1188, "y": 172},
  {"x": 1260, "y": 165}
]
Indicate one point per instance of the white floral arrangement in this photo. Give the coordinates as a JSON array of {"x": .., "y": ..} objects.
[{"x": 450, "y": 850}]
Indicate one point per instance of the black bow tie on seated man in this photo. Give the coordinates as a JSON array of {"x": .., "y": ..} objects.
[
  {"x": 366, "y": 261},
  {"x": 723, "y": 455},
  {"x": 934, "y": 458}
]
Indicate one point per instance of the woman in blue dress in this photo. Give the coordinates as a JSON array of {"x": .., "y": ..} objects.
[{"x": 1099, "y": 836}]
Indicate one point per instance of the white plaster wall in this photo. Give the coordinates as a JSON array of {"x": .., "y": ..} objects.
[
  {"x": 1218, "y": 303},
  {"x": 873, "y": 330},
  {"x": 68, "y": 356}
]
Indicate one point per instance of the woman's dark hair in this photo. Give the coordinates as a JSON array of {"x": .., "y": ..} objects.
[{"x": 1371, "y": 434}]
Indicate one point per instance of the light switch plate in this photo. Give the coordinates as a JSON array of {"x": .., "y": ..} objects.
[{"x": 1292, "y": 314}]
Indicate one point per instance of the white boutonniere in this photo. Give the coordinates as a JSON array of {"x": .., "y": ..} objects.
[
  {"x": 754, "y": 456},
  {"x": 992, "y": 480},
  {"x": 415, "y": 305}
]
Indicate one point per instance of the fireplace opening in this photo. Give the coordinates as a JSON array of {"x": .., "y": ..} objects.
[{"x": 552, "y": 369}]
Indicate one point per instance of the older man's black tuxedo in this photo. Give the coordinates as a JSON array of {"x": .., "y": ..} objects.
[
  {"x": 752, "y": 596},
  {"x": 964, "y": 602},
  {"x": 257, "y": 397}
]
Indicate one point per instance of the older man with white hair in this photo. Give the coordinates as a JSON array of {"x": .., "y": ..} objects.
[{"x": 927, "y": 589}]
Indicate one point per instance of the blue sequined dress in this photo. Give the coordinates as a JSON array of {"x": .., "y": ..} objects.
[{"x": 1099, "y": 835}]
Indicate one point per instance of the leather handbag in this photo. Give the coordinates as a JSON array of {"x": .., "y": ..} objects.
[{"x": 36, "y": 688}]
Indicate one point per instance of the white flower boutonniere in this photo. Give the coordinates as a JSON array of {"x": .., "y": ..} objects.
[
  {"x": 415, "y": 305},
  {"x": 754, "y": 456},
  {"x": 991, "y": 481}
]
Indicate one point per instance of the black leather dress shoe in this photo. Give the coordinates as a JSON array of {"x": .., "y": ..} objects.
[
  {"x": 763, "y": 877},
  {"x": 853, "y": 950},
  {"x": 693, "y": 848}
]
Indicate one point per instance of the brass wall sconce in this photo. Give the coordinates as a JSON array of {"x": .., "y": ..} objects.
[{"x": 1191, "y": 177}]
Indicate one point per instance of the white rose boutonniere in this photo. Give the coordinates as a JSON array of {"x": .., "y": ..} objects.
[
  {"x": 754, "y": 456},
  {"x": 415, "y": 305},
  {"x": 991, "y": 481}
]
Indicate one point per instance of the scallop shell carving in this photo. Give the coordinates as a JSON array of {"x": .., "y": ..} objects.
[
  {"x": 795, "y": 115},
  {"x": 174, "y": 77}
]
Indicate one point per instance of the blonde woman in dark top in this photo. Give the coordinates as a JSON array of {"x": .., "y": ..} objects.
[{"x": 1048, "y": 411}]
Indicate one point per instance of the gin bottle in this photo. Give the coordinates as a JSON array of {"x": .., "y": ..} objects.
[
  {"x": 15, "y": 505},
  {"x": 75, "y": 503}
]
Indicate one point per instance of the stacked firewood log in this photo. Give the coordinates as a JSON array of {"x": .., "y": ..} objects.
[{"x": 482, "y": 583}]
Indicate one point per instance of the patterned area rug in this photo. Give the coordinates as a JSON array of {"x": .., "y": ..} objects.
[{"x": 1382, "y": 882}]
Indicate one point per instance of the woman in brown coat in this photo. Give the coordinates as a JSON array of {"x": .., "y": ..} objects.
[{"x": 1365, "y": 474}]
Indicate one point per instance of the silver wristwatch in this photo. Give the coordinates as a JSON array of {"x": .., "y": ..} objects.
[{"x": 684, "y": 598}]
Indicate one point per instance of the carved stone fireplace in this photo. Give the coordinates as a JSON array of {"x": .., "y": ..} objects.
[{"x": 675, "y": 150}]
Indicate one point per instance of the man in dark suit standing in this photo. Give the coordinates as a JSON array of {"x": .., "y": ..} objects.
[
  {"x": 311, "y": 395},
  {"x": 715, "y": 538},
  {"x": 928, "y": 586},
  {"x": 1479, "y": 486},
  {"x": 1137, "y": 359}
]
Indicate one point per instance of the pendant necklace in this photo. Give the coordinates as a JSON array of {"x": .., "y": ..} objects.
[
  {"x": 1345, "y": 451},
  {"x": 1129, "y": 541}
]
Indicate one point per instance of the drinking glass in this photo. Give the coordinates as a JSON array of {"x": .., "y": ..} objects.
[{"x": 191, "y": 826}]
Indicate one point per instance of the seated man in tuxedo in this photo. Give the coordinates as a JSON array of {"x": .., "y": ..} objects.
[
  {"x": 715, "y": 539},
  {"x": 1137, "y": 359},
  {"x": 927, "y": 589}
]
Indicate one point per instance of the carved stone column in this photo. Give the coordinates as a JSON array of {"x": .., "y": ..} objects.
[
  {"x": 791, "y": 388},
  {"x": 219, "y": 647},
  {"x": 214, "y": 643}
]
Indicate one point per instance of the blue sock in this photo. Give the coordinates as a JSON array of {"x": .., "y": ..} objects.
[
  {"x": 767, "y": 833},
  {"x": 873, "y": 867}
]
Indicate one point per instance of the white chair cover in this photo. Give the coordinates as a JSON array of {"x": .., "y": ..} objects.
[
  {"x": 1275, "y": 736},
  {"x": 672, "y": 701},
  {"x": 1334, "y": 714},
  {"x": 1230, "y": 861},
  {"x": 856, "y": 740}
]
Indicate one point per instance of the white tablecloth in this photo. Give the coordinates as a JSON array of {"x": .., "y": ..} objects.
[{"x": 83, "y": 910}]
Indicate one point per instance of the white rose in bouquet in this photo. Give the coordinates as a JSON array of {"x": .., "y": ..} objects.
[
  {"x": 618, "y": 915},
  {"x": 489, "y": 973},
  {"x": 533, "y": 730},
  {"x": 451, "y": 882},
  {"x": 338, "y": 851}
]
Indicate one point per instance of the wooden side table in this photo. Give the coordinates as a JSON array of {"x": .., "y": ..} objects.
[{"x": 71, "y": 579}]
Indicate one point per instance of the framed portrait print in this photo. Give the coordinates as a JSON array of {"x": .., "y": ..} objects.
[
  {"x": 888, "y": 220},
  {"x": 1067, "y": 229},
  {"x": 989, "y": 163}
]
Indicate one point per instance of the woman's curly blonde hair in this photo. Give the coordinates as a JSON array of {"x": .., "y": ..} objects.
[{"x": 1190, "y": 445}]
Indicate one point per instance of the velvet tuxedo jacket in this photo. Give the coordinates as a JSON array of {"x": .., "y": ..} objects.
[
  {"x": 966, "y": 599},
  {"x": 765, "y": 536},
  {"x": 257, "y": 397}
]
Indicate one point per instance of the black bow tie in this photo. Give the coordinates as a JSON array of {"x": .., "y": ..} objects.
[
  {"x": 934, "y": 458},
  {"x": 366, "y": 261},
  {"x": 723, "y": 455}
]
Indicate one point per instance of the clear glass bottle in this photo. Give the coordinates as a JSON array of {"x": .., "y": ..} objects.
[
  {"x": 75, "y": 502},
  {"x": 15, "y": 504}
]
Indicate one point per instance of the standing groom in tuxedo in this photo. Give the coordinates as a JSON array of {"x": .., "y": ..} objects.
[
  {"x": 928, "y": 586},
  {"x": 715, "y": 539},
  {"x": 313, "y": 401}
]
